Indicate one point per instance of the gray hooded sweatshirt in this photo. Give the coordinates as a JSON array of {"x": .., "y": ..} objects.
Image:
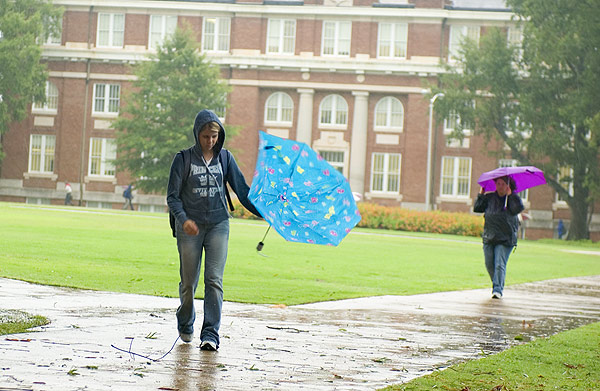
[{"x": 201, "y": 197}]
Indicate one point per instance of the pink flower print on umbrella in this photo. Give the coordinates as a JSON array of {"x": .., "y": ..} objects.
[{"x": 314, "y": 189}]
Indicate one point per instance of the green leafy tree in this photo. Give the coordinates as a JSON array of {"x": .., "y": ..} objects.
[
  {"x": 171, "y": 88},
  {"x": 24, "y": 25},
  {"x": 540, "y": 99}
]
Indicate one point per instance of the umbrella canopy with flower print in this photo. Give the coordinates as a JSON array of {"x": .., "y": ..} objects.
[
  {"x": 301, "y": 195},
  {"x": 525, "y": 177}
]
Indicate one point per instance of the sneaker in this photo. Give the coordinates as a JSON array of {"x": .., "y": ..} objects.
[
  {"x": 187, "y": 338},
  {"x": 496, "y": 295},
  {"x": 208, "y": 345}
]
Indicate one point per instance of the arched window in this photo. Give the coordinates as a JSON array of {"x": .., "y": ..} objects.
[
  {"x": 333, "y": 111},
  {"x": 389, "y": 114},
  {"x": 279, "y": 108}
]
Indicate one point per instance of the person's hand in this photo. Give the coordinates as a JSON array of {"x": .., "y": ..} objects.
[
  {"x": 508, "y": 191},
  {"x": 482, "y": 191},
  {"x": 190, "y": 227}
]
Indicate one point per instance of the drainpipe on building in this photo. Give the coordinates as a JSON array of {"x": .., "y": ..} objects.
[{"x": 85, "y": 109}]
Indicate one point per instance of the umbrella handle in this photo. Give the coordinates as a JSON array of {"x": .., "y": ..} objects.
[
  {"x": 261, "y": 244},
  {"x": 505, "y": 202}
]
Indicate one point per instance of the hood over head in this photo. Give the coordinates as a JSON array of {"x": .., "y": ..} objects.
[{"x": 202, "y": 118}]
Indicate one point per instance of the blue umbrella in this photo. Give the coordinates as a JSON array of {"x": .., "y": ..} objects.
[{"x": 301, "y": 195}]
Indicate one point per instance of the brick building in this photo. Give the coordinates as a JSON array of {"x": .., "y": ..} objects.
[{"x": 345, "y": 77}]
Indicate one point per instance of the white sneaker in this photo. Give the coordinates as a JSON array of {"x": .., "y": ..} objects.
[
  {"x": 208, "y": 345},
  {"x": 187, "y": 338},
  {"x": 496, "y": 295}
]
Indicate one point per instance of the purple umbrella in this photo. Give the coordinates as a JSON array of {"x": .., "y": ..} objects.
[{"x": 524, "y": 177}]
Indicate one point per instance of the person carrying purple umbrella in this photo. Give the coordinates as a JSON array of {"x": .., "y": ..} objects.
[{"x": 501, "y": 209}]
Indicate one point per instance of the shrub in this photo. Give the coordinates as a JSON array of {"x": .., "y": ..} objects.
[{"x": 396, "y": 218}]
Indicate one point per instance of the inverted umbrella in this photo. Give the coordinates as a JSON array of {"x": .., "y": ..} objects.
[
  {"x": 301, "y": 195},
  {"x": 524, "y": 177}
]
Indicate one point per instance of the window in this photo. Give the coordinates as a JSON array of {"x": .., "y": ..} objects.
[
  {"x": 106, "y": 98},
  {"x": 56, "y": 38},
  {"x": 215, "y": 37},
  {"x": 281, "y": 36},
  {"x": 333, "y": 111},
  {"x": 389, "y": 114},
  {"x": 335, "y": 158},
  {"x": 51, "y": 103},
  {"x": 514, "y": 38},
  {"x": 336, "y": 38},
  {"x": 161, "y": 28},
  {"x": 111, "y": 28},
  {"x": 456, "y": 176},
  {"x": 458, "y": 34},
  {"x": 103, "y": 151},
  {"x": 392, "y": 40},
  {"x": 385, "y": 173},
  {"x": 513, "y": 163},
  {"x": 453, "y": 122},
  {"x": 41, "y": 153},
  {"x": 279, "y": 108},
  {"x": 565, "y": 178}
]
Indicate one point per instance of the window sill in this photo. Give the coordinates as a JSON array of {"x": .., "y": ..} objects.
[
  {"x": 40, "y": 175},
  {"x": 94, "y": 178},
  {"x": 389, "y": 196},
  {"x": 44, "y": 111},
  {"x": 96, "y": 114},
  {"x": 560, "y": 205},
  {"x": 455, "y": 200}
]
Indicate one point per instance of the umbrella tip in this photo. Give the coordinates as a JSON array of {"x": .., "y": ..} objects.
[{"x": 259, "y": 246}]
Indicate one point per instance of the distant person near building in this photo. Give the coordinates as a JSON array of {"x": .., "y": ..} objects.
[
  {"x": 69, "y": 195},
  {"x": 128, "y": 195}
]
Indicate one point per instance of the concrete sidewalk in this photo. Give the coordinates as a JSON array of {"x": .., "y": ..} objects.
[{"x": 359, "y": 344}]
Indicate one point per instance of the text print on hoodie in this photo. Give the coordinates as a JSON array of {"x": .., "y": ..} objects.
[{"x": 202, "y": 196}]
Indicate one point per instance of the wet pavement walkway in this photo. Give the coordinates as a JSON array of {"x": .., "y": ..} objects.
[{"x": 357, "y": 344}]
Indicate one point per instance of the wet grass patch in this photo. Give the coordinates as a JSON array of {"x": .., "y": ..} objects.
[
  {"x": 15, "y": 321},
  {"x": 566, "y": 361}
]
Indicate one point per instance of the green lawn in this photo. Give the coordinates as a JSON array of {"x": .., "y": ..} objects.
[{"x": 134, "y": 252}]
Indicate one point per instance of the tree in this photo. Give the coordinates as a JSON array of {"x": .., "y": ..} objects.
[
  {"x": 540, "y": 99},
  {"x": 171, "y": 88},
  {"x": 24, "y": 25}
]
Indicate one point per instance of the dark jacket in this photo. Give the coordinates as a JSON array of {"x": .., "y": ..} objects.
[
  {"x": 202, "y": 196},
  {"x": 501, "y": 225}
]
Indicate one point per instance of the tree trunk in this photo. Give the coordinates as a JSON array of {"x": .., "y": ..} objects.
[{"x": 578, "y": 229}]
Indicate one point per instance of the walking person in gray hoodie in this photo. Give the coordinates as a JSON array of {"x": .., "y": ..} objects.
[{"x": 198, "y": 203}]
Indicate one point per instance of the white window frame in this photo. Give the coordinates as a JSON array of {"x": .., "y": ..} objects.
[
  {"x": 55, "y": 40},
  {"x": 338, "y": 110},
  {"x": 564, "y": 172},
  {"x": 333, "y": 41},
  {"x": 450, "y": 123},
  {"x": 514, "y": 37},
  {"x": 47, "y": 153},
  {"x": 389, "y": 115},
  {"x": 115, "y": 33},
  {"x": 216, "y": 41},
  {"x": 104, "y": 160},
  {"x": 329, "y": 154},
  {"x": 396, "y": 43},
  {"x": 104, "y": 99},
  {"x": 166, "y": 24},
  {"x": 458, "y": 33},
  {"x": 279, "y": 109},
  {"x": 50, "y": 106},
  {"x": 281, "y": 36},
  {"x": 513, "y": 163},
  {"x": 455, "y": 177},
  {"x": 387, "y": 175}
]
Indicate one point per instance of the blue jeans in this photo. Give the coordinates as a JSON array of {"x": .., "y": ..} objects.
[
  {"x": 212, "y": 239},
  {"x": 496, "y": 258}
]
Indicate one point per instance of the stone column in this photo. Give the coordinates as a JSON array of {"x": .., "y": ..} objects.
[
  {"x": 305, "y": 116},
  {"x": 358, "y": 142}
]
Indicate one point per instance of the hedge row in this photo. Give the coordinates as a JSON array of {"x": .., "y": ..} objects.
[{"x": 396, "y": 218}]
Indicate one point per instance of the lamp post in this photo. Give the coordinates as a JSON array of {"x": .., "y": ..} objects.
[{"x": 429, "y": 150}]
